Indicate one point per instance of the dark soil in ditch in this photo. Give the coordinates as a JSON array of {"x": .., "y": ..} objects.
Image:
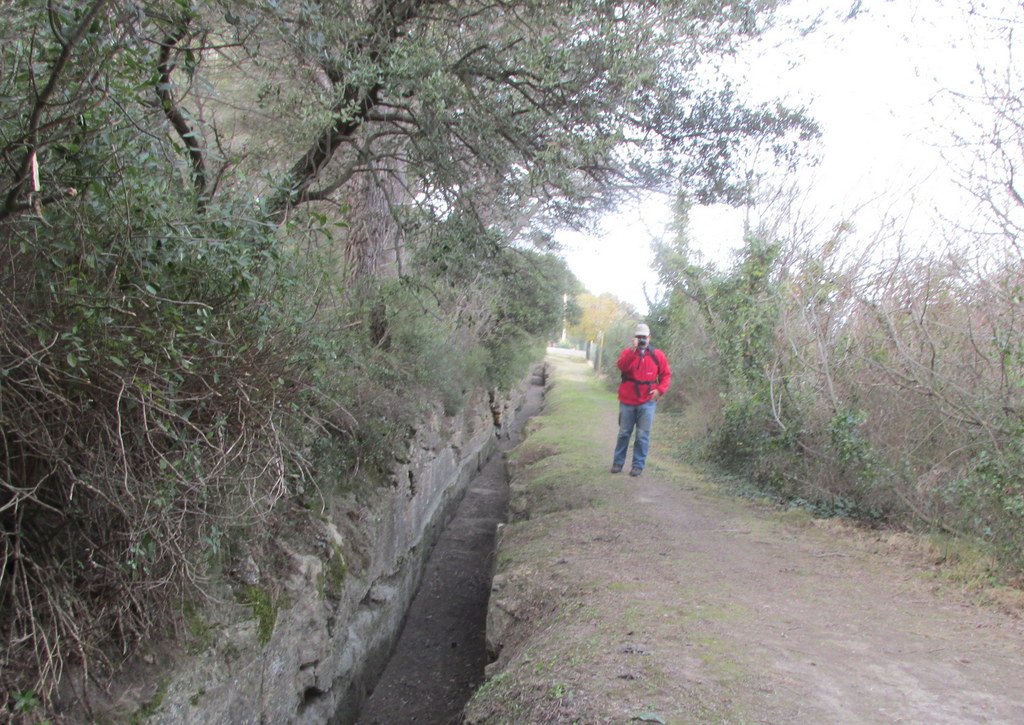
[{"x": 440, "y": 656}]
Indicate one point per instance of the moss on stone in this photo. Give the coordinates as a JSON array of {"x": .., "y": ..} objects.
[{"x": 264, "y": 609}]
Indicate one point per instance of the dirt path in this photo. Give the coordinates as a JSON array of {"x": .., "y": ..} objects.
[
  {"x": 842, "y": 630},
  {"x": 440, "y": 656},
  {"x": 658, "y": 599}
]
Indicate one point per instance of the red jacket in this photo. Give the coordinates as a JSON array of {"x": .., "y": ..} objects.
[{"x": 641, "y": 376}]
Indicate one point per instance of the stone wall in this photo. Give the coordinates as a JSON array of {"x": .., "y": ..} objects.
[{"x": 336, "y": 620}]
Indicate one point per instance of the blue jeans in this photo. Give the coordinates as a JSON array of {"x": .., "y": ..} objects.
[{"x": 641, "y": 417}]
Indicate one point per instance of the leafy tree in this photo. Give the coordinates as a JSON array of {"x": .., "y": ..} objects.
[
  {"x": 737, "y": 311},
  {"x": 225, "y": 224},
  {"x": 497, "y": 110},
  {"x": 598, "y": 314}
]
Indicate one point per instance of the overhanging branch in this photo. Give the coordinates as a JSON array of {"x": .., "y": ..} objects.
[{"x": 385, "y": 23}]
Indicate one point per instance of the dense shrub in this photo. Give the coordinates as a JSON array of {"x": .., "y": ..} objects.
[{"x": 879, "y": 389}]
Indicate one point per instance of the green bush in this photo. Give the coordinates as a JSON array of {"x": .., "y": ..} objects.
[{"x": 989, "y": 497}]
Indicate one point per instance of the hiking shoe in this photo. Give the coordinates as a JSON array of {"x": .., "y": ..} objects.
[
  {"x": 616, "y": 467},
  {"x": 636, "y": 471}
]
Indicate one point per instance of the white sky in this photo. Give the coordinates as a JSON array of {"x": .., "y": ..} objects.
[{"x": 878, "y": 85}]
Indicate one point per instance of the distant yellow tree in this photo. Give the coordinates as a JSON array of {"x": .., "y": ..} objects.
[{"x": 598, "y": 314}]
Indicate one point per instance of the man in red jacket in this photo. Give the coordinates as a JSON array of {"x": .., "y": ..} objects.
[{"x": 645, "y": 378}]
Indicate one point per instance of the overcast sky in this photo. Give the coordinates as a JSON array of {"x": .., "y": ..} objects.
[{"x": 880, "y": 84}]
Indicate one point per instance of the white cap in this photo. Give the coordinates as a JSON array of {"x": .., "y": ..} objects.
[{"x": 642, "y": 329}]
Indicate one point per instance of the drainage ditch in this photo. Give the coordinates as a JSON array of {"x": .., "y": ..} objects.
[{"x": 440, "y": 656}]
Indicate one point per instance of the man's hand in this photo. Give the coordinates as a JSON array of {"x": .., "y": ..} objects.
[
  {"x": 633, "y": 344},
  {"x": 655, "y": 395}
]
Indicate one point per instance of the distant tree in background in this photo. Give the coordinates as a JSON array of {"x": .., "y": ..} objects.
[{"x": 598, "y": 314}]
